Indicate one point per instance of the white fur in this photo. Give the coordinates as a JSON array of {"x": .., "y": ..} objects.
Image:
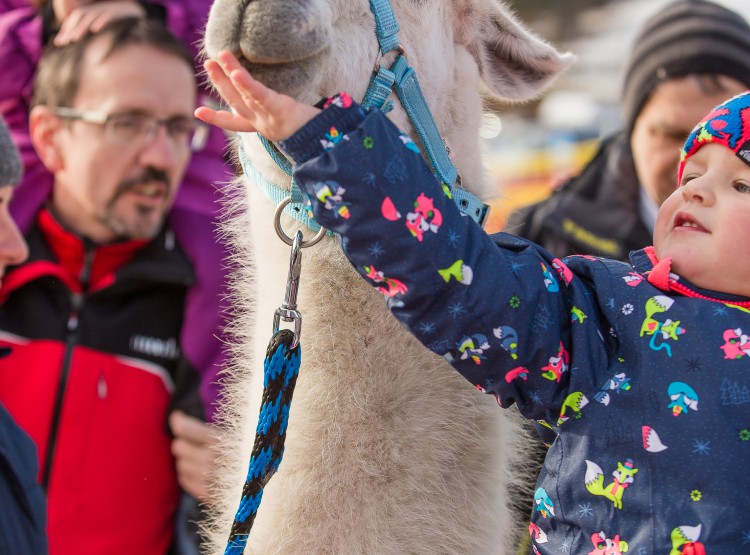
[{"x": 388, "y": 450}]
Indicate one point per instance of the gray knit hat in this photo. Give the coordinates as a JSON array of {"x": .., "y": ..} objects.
[
  {"x": 11, "y": 169},
  {"x": 686, "y": 37}
]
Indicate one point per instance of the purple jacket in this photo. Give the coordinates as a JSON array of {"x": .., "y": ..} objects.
[{"x": 195, "y": 214}]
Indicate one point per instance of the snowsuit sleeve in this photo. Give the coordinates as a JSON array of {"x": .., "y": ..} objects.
[{"x": 509, "y": 317}]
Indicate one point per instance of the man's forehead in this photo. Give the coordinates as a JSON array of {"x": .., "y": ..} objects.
[
  {"x": 99, "y": 52},
  {"x": 135, "y": 74}
]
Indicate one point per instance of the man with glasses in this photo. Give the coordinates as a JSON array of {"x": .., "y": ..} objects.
[{"x": 96, "y": 317}]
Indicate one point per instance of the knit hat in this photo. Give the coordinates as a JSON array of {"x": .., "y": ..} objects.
[
  {"x": 686, "y": 37},
  {"x": 11, "y": 169},
  {"x": 728, "y": 124}
]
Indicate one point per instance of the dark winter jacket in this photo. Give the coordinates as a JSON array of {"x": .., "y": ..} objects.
[
  {"x": 96, "y": 366},
  {"x": 596, "y": 212},
  {"x": 643, "y": 377},
  {"x": 22, "y": 503}
]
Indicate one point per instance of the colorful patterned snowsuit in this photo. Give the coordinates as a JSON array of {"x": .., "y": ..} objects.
[{"x": 645, "y": 380}]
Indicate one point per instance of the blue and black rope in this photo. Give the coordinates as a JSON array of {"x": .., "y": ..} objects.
[{"x": 280, "y": 367}]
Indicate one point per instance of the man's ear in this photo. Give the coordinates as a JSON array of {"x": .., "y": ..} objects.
[{"x": 44, "y": 125}]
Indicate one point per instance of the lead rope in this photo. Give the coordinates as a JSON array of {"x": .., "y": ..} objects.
[
  {"x": 280, "y": 370},
  {"x": 280, "y": 367}
]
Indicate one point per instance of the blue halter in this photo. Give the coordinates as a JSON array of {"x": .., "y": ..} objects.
[{"x": 402, "y": 79}]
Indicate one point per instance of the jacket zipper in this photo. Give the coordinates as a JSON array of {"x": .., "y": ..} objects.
[
  {"x": 71, "y": 339},
  {"x": 680, "y": 288}
]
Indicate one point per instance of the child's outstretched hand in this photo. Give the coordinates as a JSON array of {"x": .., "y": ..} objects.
[{"x": 255, "y": 107}]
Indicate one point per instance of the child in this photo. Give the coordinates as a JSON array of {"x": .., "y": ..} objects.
[
  {"x": 640, "y": 369},
  {"x": 22, "y": 503}
]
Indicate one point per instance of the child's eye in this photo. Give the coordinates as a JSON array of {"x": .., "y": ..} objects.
[
  {"x": 687, "y": 179},
  {"x": 742, "y": 187}
]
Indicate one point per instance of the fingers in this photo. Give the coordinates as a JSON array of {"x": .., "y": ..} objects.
[
  {"x": 71, "y": 28},
  {"x": 255, "y": 106},
  {"x": 262, "y": 100},
  {"x": 192, "y": 429},
  {"x": 241, "y": 120},
  {"x": 244, "y": 94},
  {"x": 227, "y": 88},
  {"x": 224, "y": 119},
  {"x": 115, "y": 10},
  {"x": 193, "y": 468},
  {"x": 194, "y": 450},
  {"x": 92, "y": 17}
]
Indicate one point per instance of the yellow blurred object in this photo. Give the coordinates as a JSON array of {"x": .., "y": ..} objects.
[{"x": 524, "y": 179}]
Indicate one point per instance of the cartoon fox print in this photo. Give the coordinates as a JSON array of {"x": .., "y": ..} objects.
[
  {"x": 473, "y": 347},
  {"x": 557, "y": 365},
  {"x": 572, "y": 406},
  {"x": 392, "y": 288},
  {"x": 606, "y": 546},
  {"x": 664, "y": 331},
  {"x": 736, "y": 344},
  {"x": 424, "y": 218},
  {"x": 685, "y": 541},
  {"x": 623, "y": 477},
  {"x": 331, "y": 194}
]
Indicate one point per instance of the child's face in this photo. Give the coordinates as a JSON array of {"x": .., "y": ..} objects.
[
  {"x": 13, "y": 248},
  {"x": 704, "y": 226}
]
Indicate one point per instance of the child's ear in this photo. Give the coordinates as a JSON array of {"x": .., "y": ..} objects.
[{"x": 44, "y": 125}]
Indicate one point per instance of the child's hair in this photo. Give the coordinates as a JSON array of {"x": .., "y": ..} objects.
[
  {"x": 728, "y": 124},
  {"x": 11, "y": 169}
]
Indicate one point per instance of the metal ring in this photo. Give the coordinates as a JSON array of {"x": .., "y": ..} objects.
[
  {"x": 284, "y": 237},
  {"x": 376, "y": 65}
]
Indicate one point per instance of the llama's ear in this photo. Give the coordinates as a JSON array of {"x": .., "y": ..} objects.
[{"x": 516, "y": 64}]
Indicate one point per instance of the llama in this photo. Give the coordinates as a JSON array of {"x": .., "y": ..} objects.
[{"x": 388, "y": 450}]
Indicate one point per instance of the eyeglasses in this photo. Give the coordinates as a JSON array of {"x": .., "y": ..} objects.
[{"x": 141, "y": 128}]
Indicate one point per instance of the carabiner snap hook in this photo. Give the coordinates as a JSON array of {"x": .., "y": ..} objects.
[{"x": 288, "y": 309}]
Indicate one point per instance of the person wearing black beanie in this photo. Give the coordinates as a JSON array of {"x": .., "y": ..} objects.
[
  {"x": 13, "y": 248},
  {"x": 22, "y": 501},
  {"x": 688, "y": 57}
]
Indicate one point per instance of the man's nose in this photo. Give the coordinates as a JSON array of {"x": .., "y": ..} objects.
[{"x": 159, "y": 150}]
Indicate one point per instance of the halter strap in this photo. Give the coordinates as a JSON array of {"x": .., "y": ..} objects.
[
  {"x": 402, "y": 79},
  {"x": 386, "y": 25}
]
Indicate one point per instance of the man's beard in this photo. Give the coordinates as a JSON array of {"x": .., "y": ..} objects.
[{"x": 144, "y": 226}]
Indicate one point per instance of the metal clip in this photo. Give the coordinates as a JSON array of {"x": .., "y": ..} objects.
[{"x": 288, "y": 309}]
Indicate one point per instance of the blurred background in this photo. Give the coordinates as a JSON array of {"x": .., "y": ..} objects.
[{"x": 531, "y": 148}]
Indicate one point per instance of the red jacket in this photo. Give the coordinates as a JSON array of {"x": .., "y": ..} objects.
[{"x": 91, "y": 378}]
